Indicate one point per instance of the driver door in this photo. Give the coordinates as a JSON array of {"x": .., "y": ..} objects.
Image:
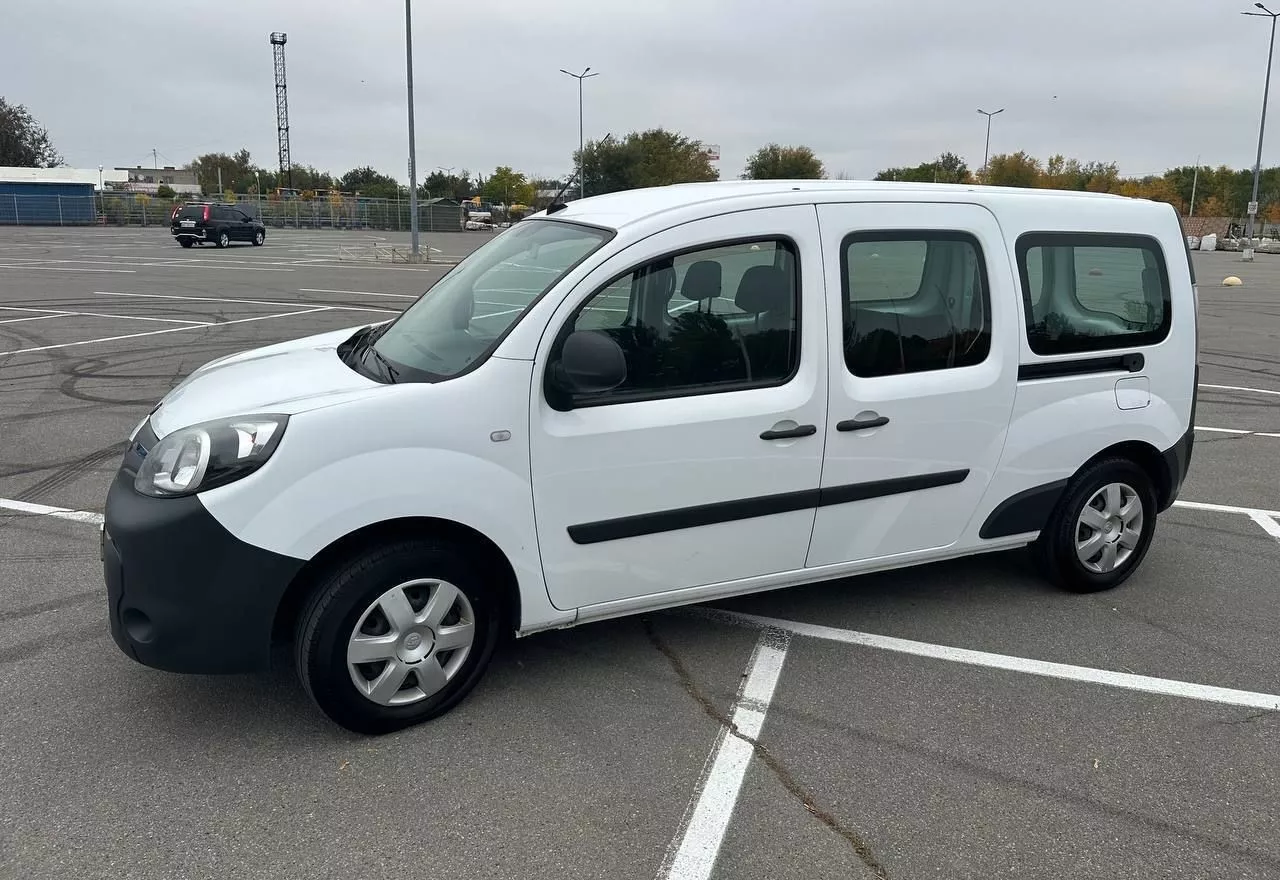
[{"x": 703, "y": 466}]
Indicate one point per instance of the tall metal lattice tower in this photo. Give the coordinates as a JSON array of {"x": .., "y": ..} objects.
[{"x": 282, "y": 109}]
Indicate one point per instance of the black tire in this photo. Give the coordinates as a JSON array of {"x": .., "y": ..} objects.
[
  {"x": 224, "y": 240},
  {"x": 259, "y": 238},
  {"x": 340, "y": 601},
  {"x": 185, "y": 242},
  {"x": 1055, "y": 550}
]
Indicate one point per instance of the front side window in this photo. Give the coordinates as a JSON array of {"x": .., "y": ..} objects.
[
  {"x": 464, "y": 316},
  {"x": 1092, "y": 291},
  {"x": 913, "y": 302},
  {"x": 720, "y": 318}
]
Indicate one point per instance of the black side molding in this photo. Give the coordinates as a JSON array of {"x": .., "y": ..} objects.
[
  {"x": 1028, "y": 511},
  {"x": 691, "y": 517},
  {"x": 1119, "y": 363},
  {"x": 749, "y": 508},
  {"x": 881, "y": 488}
]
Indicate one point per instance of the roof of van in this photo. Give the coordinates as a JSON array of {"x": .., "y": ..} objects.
[{"x": 629, "y": 206}]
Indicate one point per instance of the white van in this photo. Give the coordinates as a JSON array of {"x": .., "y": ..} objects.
[{"x": 660, "y": 397}]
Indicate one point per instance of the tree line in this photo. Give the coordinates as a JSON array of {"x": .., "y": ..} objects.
[
  {"x": 657, "y": 157},
  {"x": 1217, "y": 192}
]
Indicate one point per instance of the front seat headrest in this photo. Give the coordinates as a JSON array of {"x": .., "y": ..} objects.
[
  {"x": 702, "y": 281},
  {"x": 764, "y": 289}
]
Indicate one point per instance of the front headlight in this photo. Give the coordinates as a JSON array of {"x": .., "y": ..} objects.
[{"x": 208, "y": 455}]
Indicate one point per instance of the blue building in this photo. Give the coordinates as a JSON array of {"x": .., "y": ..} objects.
[{"x": 50, "y": 196}]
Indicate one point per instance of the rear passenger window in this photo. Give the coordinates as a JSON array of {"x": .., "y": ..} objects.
[
  {"x": 1092, "y": 291},
  {"x": 913, "y": 302},
  {"x": 715, "y": 319}
]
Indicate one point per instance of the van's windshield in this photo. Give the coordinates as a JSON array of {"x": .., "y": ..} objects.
[{"x": 464, "y": 315}]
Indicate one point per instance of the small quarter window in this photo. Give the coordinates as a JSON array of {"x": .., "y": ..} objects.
[
  {"x": 914, "y": 301},
  {"x": 1093, "y": 291}
]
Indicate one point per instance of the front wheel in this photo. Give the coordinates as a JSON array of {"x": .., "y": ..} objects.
[
  {"x": 259, "y": 237},
  {"x": 397, "y": 635},
  {"x": 224, "y": 240},
  {"x": 1101, "y": 529}
]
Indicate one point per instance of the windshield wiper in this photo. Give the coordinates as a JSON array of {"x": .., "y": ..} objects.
[
  {"x": 364, "y": 346},
  {"x": 391, "y": 372}
]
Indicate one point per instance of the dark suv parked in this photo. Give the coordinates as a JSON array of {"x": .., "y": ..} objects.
[{"x": 198, "y": 222}]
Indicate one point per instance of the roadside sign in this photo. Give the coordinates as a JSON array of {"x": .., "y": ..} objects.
[{"x": 1253, "y": 209}]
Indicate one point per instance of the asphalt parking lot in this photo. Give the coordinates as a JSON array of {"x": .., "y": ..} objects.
[{"x": 954, "y": 720}]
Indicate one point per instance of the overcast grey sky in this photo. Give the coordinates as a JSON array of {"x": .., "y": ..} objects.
[{"x": 866, "y": 83}]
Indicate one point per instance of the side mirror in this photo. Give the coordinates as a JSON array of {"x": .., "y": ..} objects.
[{"x": 590, "y": 363}]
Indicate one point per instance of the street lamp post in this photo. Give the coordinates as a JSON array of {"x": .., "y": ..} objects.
[
  {"x": 986, "y": 153},
  {"x": 582, "y": 158},
  {"x": 1262, "y": 126},
  {"x": 413, "y": 171}
]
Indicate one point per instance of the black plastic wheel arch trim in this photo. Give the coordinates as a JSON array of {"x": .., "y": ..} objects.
[{"x": 1027, "y": 511}]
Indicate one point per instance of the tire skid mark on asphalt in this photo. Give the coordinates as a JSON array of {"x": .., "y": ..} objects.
[
  {"x": 53, "y": 605},
  {"x": 25, "y": 650},
  {"x": 70, "y": 471}
]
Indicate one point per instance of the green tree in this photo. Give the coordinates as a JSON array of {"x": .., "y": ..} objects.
[
  {"x": 164, "y": 191},
  {"x": 1012, "y": 169},
  {"x": 237, "y": 171},
  {"x": 507, "y": 186},
  {"x": 368, "y": 182},
  {"x": 951, "y": 169},
  {"x": 441, "y": 184},
  {"x": 1101, "y": 177},
  {"x": 775, "y": 162},
  {"x": 656, "y": 157},
  {"x": 24, "y": 143},
  {"x": 947, "y": 168}
]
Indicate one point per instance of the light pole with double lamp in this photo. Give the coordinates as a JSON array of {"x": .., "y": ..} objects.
[
  {"x": 1262, "y": 126},
  {"x": 582, "y": 159},
  {"x": 986, "y": 153}
]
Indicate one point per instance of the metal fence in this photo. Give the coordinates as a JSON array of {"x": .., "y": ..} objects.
[{"x": 140, "y": 209}]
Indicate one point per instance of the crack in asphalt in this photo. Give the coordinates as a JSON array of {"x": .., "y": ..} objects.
[{"x": 780, "y": 771}]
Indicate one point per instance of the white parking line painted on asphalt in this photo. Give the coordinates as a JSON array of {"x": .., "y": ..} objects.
[
  {"x": 69, "y": 269},
  {"x": 1240, "y": 388},
  {"x": 30, "y": 318},
  {"x": 1225, "y": 508},
  {"x": 166, "y": 330},
  {"x": 62, "y": 314},
  {"x": 1091, "y": 675},
  {"x": 359, "y": 292},
  {"x": 693, "y": 851},
  {"x": 80, "y": 516},
  {"x": 1269, "y": 525},
  {"x": 253, "y": 302},
  {"x": 1239, "y": 432}
]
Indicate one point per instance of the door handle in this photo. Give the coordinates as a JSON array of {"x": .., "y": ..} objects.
[
  {"x": 863, "y": 424},
  {"x": 788, "y": 433}
]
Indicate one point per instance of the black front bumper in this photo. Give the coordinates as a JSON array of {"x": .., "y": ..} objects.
[{"x": 183, "y": 593}]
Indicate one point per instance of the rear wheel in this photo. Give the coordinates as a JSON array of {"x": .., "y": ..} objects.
[
  {"x": 223, "y": 239},
  {"x": 1101, "y": 529},
  {"x": 397, "y": 635},
  {"x": 185, "y": 242}
]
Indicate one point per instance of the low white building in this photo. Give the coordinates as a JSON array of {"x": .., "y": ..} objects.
[{"x": 99, "y": 177}]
